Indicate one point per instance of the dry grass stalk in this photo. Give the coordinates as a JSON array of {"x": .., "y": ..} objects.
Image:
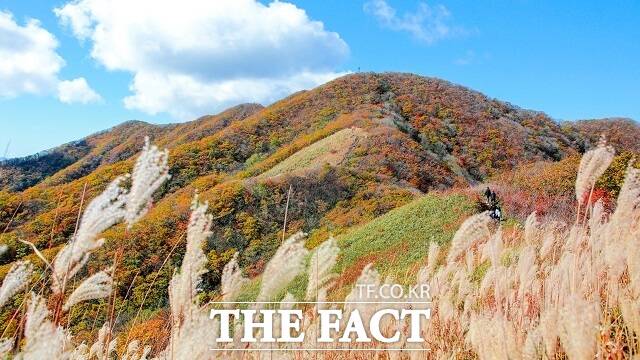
[
  {"x": 323, "y": 259},
  {"x": 150, "y": 171},
  {"x": 43, "y": 339},
  {"x": 184, "y": 284},
  {"x": 592, "y": 165},
  {"x": 284, "y": 266},
  {"x": 97, "y": 286},
  {"x": 16, "y": 279},
  {"x": 232, "y": 280}
]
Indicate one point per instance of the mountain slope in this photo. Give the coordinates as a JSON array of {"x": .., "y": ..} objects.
[
  {"x": 622, "y": 133},
  {"x": 421, "y": 134},
  {"x": 77, "y": 159},
  {"x": 351, "y": 150}
]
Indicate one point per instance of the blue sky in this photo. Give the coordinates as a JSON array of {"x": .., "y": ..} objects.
[{"x": 101, "y": 65}]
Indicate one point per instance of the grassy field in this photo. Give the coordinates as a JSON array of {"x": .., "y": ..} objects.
[
  {"x": 330, "y": 150},
  {"x": 398, "y": 241}
]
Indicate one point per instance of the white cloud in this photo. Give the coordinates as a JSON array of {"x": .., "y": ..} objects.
[
  {"x": 29, "y": 63},
  {"x": 76, "y": 91},
  {"x": 185, "y": 96},
  {"x": 427, "y": 23},
  {"x": 191, "y": 57},
  {"x": 28, "y": 60}
]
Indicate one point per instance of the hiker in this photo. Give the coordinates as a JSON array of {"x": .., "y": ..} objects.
[{"x": 495, "y": 212}]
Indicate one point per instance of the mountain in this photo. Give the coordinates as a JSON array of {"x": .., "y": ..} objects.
[
  {"x": 623, "y": 133},
  {"x": 77, "y": 159},
  {"x": 351, "y": 150}
]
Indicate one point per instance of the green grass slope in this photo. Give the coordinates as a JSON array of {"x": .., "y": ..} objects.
[{"x": 397, "y": 241}]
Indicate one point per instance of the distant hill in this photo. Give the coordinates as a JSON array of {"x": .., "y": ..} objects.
[
  {"x": 622, "y": 133},
  {"x": 352, "y": 150},
  {"x": 77, "y": 159}
]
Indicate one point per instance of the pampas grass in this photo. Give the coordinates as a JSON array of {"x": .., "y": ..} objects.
[
  {"x": 323, "y": 260},
  {"x": 191, "y": 329},
  {"x": 5, "y": 347},
  {"x": 16, "y": 279},
  {"x": 133, "y": 351},
  {"x": 96, "y": 286},
  {"x": 473, "y": 230},
  {"x": 232, "y": 280},
  {"x": 43, "y": 339},
  {"x": 544, "y": 290},
  {"x": 106, "y": 210},
  {"x": 112, "y": 206},
  {"x": 579, "y": 327},
  {"x": 184, "y": 284},
  {"x": 103, "y": 347},
  {"x": 592, "y": 165},
  {"x": 358, "y": 298},
  {"x": 284, "y": 266},
  {"x": 150, "y": 171}
]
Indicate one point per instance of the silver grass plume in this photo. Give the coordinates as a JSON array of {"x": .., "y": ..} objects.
[
  {"x": 493, "y": 337},
  {"x": 3, "y": 249},
  {"x": 533, "y": 348},
  {"x": 494, "y": 248},
  {"x": 628, "y": 202},
  {"x": 184, "y": 284},
  {"x": 15, "y": 280},
  {"x": 532, "y": 229},
  {"x": 193, "y": 338},
  {"x": 232, "y": 280},
  {"x": 43, "y": 339},
  {"x": 549, "y": 327},
  {"x": 287, "y": 303},
  {"x": 81, "y": 352},
  {"x": 470, "y": 261},
  {"x": 191, "y": 327},
  {"x": 100, "y": 349},
  {"x": 284, "y": 266},
  {"x": 624, "y": 228},
  {"x": 97, "y": 286},
  {"x": 6, "y": 345},
  {"x": 149, "y": 172},
  {"x": 592, "y": 165},
  {"x": 133, "y": 349},
  {"x": 359, "y": 299},
  {"x": 432, "y": 257},
  {"x": 323, "y": 259},
  {"x": 114, "y": 205},
  {"x": 630, "y": 310},
  {"x": 526, "y": 269},
  {"x": 102, "y": 212},
  {"x": 426, "y": 272},
  {"x": 472, "y": 230},
  {"x": 579, "y": 327}
]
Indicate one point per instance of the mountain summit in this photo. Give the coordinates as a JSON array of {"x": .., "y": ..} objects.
[{"x": 333, "y": 158}]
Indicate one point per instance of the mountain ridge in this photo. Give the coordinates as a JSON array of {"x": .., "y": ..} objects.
[
  {"x": 422, "y": 132},
  {"x": 407, "y": 135}
]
